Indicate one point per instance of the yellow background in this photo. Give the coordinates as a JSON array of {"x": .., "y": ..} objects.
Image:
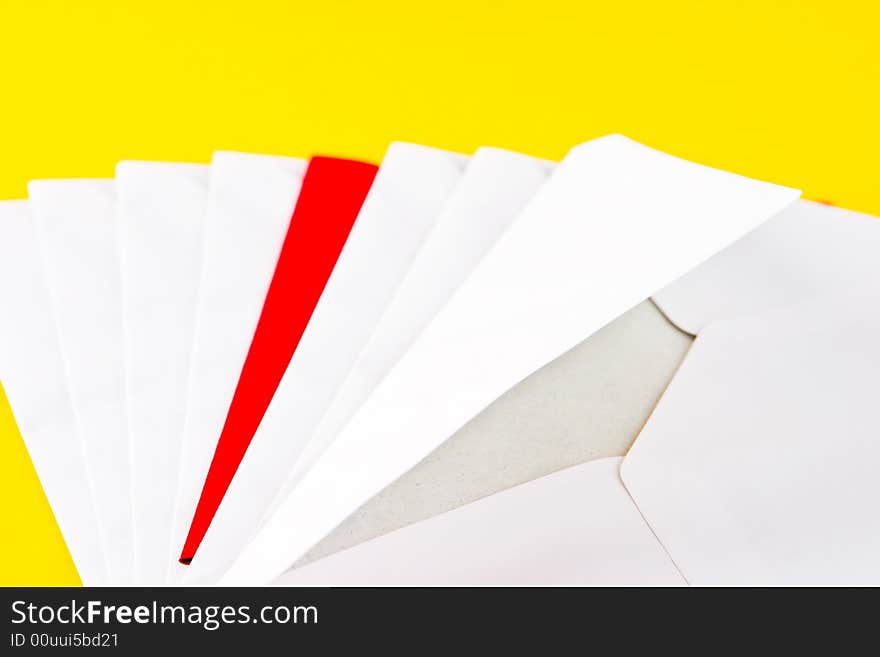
[{"x": 787, "y": 91}]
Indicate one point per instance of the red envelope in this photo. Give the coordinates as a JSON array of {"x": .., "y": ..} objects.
[{"x": 329, "y": 201}]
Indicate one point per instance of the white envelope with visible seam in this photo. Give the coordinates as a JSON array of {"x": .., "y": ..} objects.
[
  {"x": 615, "y": 222},
  {"x": 403, "y": 203},
  {"x": 575, "y": 527},
  {"x": 759, "y": 464},
  {"x": 495, "y": 187},
  {"x": 77, "y": 229},
  {"x": 161, "y": 210},
  {"x": 250, "y": 203},
  {"x": 807, "y": 250},
  {"x": 32, "y": 373}
]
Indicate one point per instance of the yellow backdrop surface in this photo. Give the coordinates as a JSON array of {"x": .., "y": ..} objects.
[{"x": 787, "y": 91}]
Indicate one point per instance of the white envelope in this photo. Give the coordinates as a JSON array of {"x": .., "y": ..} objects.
[
  {"x": 408, "y": 193},
  {"x": 807, "y": 250},
  {"x": 615, "y": 222},
  {"x": 33, "y": 376},
  {"x": 161, "y": 209},
  {"x": 495, "y": 187},
  {"x": 77, "y": 230},
  {"x": 576, "y": 527},
  {"x": 759, "y": 464},
  {"x": 250, "y": 203}
]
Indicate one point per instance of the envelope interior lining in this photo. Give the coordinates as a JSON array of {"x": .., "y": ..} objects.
[{"x": 589, "y": 403}]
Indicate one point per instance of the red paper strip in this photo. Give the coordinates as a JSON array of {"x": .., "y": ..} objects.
[{"x": 329, "y": 201}]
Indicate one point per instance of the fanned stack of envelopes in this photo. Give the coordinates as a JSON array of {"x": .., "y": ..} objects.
[{"x": 213, "y": 366}]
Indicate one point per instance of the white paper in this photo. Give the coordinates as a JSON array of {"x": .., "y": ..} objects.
[
  {"x": 615, "y": 222},
  {"x": 79, "y": 241},
  {"x": 807, "y": 250},
  {"x": 576, "y": 527},
  {"x": 408, "y": 193},
  {"x": 32, "y": 373},
  {"x": 250, "y": 203},
  {"x": 162, "y": 208},
  {"x": 494, "y": 188},
  {"x": 759, "y": 464}
]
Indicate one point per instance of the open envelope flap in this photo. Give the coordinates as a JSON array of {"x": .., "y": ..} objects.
[
  {"x": 759, "y": 464},
  {"x": 806, "y": 250},
  {"x": 576, "y": 527},
  {"x": 615, "y": 222}
]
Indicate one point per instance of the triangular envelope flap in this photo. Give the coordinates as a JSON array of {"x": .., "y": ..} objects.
[
  {"x": 615, "y": 222},
  {"x": 408, "y": 193},
  {"x": 806, "y": 250},
  {"x": 576, "y": 527},
  {"x": 77, "y": 228},
  {"x": 32, "y": 372},
  {"x": 758, "y": 465}
]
